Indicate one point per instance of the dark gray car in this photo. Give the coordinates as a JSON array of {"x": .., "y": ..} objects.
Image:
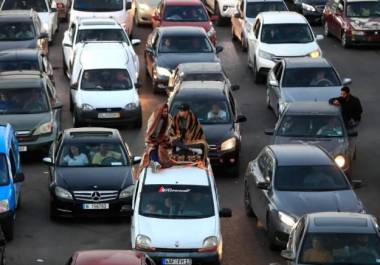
[
  {"x": 334, "y": 238},
  {"x": 317, "y": 123},
  {"x": 285, "y": 182},
  {"x": 302, "y": 79}
]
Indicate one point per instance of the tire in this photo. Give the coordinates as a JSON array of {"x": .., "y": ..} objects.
[
  {"x": 271, "y": 234},
  {"x": 247, "y": 202},
  {"x": 257, "y": 76},
  {"x": 52, "y": 215},
  {"x": 326, "y": 30},
  {"x": 344, "y": 41},
  {"x": 19, "y": 202},
  {"x": 8, "y": 227}
]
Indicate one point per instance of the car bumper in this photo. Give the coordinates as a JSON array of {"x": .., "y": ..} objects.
[
  {"x": 196, "y": 257},
  {"x": 32, "y": 143},
  {"x": 122, "y": 116},
  {"x": 368, "y": 39},
  {"x": 223, "y": 158}
]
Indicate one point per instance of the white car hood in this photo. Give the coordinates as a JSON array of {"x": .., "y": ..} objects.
[
  {"x": 108, "y": 99},
  {"x": 165, "y": 233},
  {"x": 290, "y": 49}
]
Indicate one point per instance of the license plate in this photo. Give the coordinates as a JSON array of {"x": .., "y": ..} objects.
[
  {"x": 170, "y": 261},
  {"x": 22, "y": 148},
  {"x": 96, "y": 206},
  {"x": 109, "y": 115}
]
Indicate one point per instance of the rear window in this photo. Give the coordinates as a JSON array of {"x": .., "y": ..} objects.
[
  {"x": 4, "y": 173},
  {"x": 106, "y": 80},
  {"x": 193, "y": 13}
]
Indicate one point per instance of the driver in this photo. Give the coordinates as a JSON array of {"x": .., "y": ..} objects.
[
  {"x": 103, "y": 154},
  {"x": 332, "y": 128},
  {"x": 216, "y": 113},
  {"x": 320, "y": 79},
  {"x": 317, "y": 253}
]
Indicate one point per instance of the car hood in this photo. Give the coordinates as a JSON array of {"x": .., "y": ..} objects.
[
  {"x": 334, "y": 146},
  {"x": 175, "y": 232},
  {"x": 300, "y": 203},
  {"x": 203, "y": 24},
  {"x": 85, "y": 178},
  {"x": 291, "y": 94},
  {"x": 23, "y": 44},
  {"x": 290, "y": 49},
  {"x": 217, "y": 133},
  {"x": 171, "y": 60},
  {"x": 372, "y": 23},
  {"x": 109, "y": 99},
  {"x": 26, "y": 122}
]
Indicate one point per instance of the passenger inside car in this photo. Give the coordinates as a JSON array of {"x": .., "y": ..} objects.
[
  {"x": 332, "y": 128},
  {"x": 75, "y": 157},
  {"x": 216, "y": 113},
  {"x": 317, "y": 253},
  {"x": 106, "y": 156}
]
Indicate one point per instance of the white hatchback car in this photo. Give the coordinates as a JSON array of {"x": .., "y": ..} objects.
[
  {"x": 93, "y": 29},
  {"x": 103, "y": 86},
  {"x": 276, "y": 35},
  {"x": 176, "y": 216}
]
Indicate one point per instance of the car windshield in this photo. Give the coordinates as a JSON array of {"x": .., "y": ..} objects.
[
  {"x": 310, "y": 77},
  {"x": 312, "y": 126},
  {"x": 309, "y": 178},
  {"x": 203, "y": 77},
  {"x": 363, "y": 9},
  {"x": 36, "y": 5},
  {"x": 192, "y": 13},
  {"x": 341, "y": 248},
  {"x": 4, "y": 179},
  {"x": 98, "y": 5},
  {"x": 185, "y": 44},
  {"x": 101, "y": 35},
  {"x": 92, "y": 154},
  {"x": 23, "y": 101},
  {"x": 253, "y": 8},
  {"x": 16, "y": 65},
  {"x": 286, "y": 33},
  {"x": 16, "y": 31},
  {"x": 176, "y": 201},
  {"x": 106, "y": 80},
  {"x": 207, "y": 110}
]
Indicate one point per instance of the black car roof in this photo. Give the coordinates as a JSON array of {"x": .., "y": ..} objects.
[
  {"x": 89, "y": 134},
  {"x": 19, "y": 54},
  {"x": 16, "y": 79},
  {"x": 340, "y": 222},
  {"x": 181, "y": 30},
  {"x": 305, "y": 62},
  {"x": 300, "y": 155},
  {"x": 202, "y": 89},
  {"x": 311, "y": 108}
]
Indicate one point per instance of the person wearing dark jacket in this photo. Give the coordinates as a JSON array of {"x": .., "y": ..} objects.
[{"x": 350, "y": 107}]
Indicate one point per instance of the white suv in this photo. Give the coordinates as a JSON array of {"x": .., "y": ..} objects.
[
  {"x": 276, "y": 35},
  {"x": 93, "y": 29},
  {"x": 103, "y": 86},
  {"x": 176, "y": 216}
]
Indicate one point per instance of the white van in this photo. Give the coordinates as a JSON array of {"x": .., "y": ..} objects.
[{"x": 120, "y": 10}]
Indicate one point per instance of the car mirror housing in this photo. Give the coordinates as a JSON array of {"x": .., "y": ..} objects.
[
  {"x": 135, "y": 42},
  {"x": 225, "y": 212},
  {"x": 156, "y": 17},
  {"x": 19, "y": 177},
  {"x": 241, "y": 118},
  {"x": 347, "y": 81},
  {"x": 237, "y": 15},
  {"x": 269, "y": 131},
  {"x": 138, "y": 85},
  {"x": 58, "y": 105},
  {"x": 48, "y": 161},
  {"x": 74, "y": 86},
  {"x": 287, "y": 254},
  {"x": 128, "y": 210},
  {"x": 263, "y": 185},
  {"x": 218, "y": 49},
  {"x": 128, "y": 5},
  {"x": 136, "y": 160}
]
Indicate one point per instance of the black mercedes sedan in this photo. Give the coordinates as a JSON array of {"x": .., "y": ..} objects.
[
  {"x": 167, "y": 47},
  {"x": 90, "y": 173},
  {"x": 215, "y": 107}
]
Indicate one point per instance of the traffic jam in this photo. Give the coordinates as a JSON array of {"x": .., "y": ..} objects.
[{"x": 144, "y": 121}]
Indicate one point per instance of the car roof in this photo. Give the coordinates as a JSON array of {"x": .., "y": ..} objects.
[
  {"x": 300, "y": 155},
  {"x": 183, "y": 2},
  {"x": 25, "y": 14},
  {"x": 105, "y": 22},
  {"x": 340, "y": 222},
  {"x": 311, "y": 108},
  {"x": 84, "y": 134},
  {"x": 306, "y": 62},
  {"x": 5, "y": 130},
  {"x": 211, "y": 67},
  {"x": 282, "y": 17},
  {"x": 108, "y": 257},
  {"x": 177, "y": 175},
  {"x": 19, "y": 54},
  {"x": 181, "y": 30},
  {"x": 201, "y": 89},
  {"x": 17, "y": 79}
]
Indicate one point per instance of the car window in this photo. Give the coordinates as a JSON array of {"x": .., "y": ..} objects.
[
  {"x": 101, "y": 35},
  {"x": 185, "y": 44},
  {"x": 310, "y": 77},
  {"x": 363, "y": 9},
  {"x": 16, "y": 31},
  {"x": 23, "y": 101},
  {"x": 106, "y": 80},
  {"x": 176, "y": 201},
  {"x": 4, "y": 173},
  {"x": 36, "y": 5},
  {"x": 254, "y": 8},
  {"x": 191, "y": 13},
  {"x": 98, "y": 5},
  {"x": 16, "y": 65},
  {"x": 286, "y": 33}
]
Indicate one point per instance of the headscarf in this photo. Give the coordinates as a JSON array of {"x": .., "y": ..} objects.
[{"x": 193, "y": 132}]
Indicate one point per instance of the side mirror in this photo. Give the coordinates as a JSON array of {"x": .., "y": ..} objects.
[
  {"x": 269, "y": 131},
  {"x": 128, "y": 5},
  {"x": 356, "y": 183},
  {"x": 135, "y": 42},
  {"x": 262, "y": 185},
  {"x": 156, "y": 17},
  {"x": 74, "y": 86},
  {"x": 287, "y": 254},
  {"x": 43, "y": 35},
  {"x": 225, "y": 212},
  {"x": 58, "y": 105},
  {"x": 273, "y": 83},
  {"x": 19, "y": 177},
  {"x": 218, "y": 49},
  {"x": 319, "y": 37},
  {"x": 352, "y": 133},
  {"x": 347, "y": 81},
  {"x": 214, "y": 18},
  {"x": 241, "y": 118},
  {"x": 137, "y": 85},
  {"x": 235, "y": 87},
  {"x": 136, "y": 160},
  {"x": 48, "y": 161}
]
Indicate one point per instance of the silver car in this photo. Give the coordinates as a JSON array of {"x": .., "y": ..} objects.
[
  {"x": 317, "y": 123},
  {"x": 285, "y": 182},
  {"x": 144, "y": 10},
  {"x": 302, "y": 79}
]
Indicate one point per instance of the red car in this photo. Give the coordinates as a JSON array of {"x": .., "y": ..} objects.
[
  {"x": 109, "y": 257},
  {"x": 184, "y": 13},
  {"x": 353, "y": 21}
]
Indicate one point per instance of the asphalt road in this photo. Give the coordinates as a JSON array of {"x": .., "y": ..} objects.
[{"x": 39, "y": 240}]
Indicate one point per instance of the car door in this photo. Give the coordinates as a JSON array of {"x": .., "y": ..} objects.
[
  {"x": 235, "y": 112},
  {"x": 253, "y": 39},
  {"x": 68, "y": 43}
]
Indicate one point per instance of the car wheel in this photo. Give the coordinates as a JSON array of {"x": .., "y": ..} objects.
[
  {"x": 271, "y": 234},
  {"x": 8, "y": 227},
  {"x": 19, "y": 201},
  {"x": 247, "y": 202},
  {"x": 344, "y": 41},
  {"x": 326, "y": 30},
  {"x": 256, "y": 74},
  {"x": 52, "y": 214},
  {"x": 268, "y": 100}
]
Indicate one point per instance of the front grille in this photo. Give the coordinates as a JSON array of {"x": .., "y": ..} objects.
[
  {"x": 176, "y": 250},
  {"x": 96, "y": 195},
  {"x": 108, "y": 109}
]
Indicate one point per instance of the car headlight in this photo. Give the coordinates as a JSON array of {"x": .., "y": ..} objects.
[
  {"x": 228, "y": 144},
  {"x": 62, "y": 193},
  {"x": 131, "y": 106},
  {"x": 44, "y": 129},
  {"x": 340, "y": 161},
  {"x": 308, "y": 7},
  {"x": 87, "y": 107},
  {"x": 210, "y": 244},
  {"x": 143, "y": 243},
  {"x": 286, "y": 219},
  {"x": 211, "y": 32},
  {"x": 266, "y": 55},
  {"x": 4, "y": 206},
  {"x": 127, "y": 192},
  {"x": 163, "y": 71},
  {"x": 315, "y": 54},
  {"x": 357, "y": 32}
]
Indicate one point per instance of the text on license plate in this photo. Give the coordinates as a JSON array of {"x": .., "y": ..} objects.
[
  {"x": 170, "y": 261},
  {"x": 96, "y": 206},
  {"x": 22, "y": 148},
  {"x": 108, "y": 115}
]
